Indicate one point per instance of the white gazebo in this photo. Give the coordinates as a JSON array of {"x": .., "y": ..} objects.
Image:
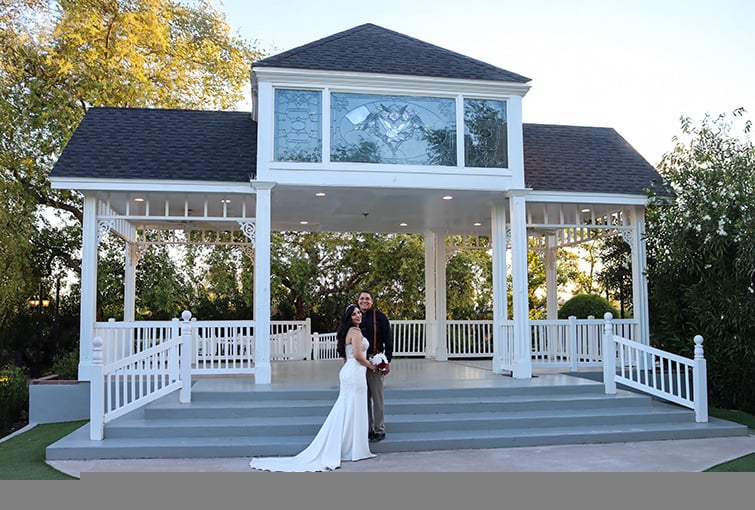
[{"x": 367, "y": 130}]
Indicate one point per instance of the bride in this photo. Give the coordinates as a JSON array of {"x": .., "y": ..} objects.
[{"x": 343, "y": 435}]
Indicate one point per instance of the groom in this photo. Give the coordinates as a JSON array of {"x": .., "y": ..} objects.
[{"x": 377, "y": 330}]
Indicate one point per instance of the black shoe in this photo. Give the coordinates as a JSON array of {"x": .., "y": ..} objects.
[
  {"x": 371, "y": 436},
  {"x": 376, "y": 438}
]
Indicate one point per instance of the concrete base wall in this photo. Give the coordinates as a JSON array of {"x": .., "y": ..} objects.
[{"x": 54, "y": 401}]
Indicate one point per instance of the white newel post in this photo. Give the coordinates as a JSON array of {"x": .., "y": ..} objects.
[
  {"x": 97, "y": 393},
  {"x": 573, "y": 351},
  {"x": 184, "y": 394},
  {"x": 609, "y": 356},
  {"x": 306, "y": 338},
  {"x": 315, "y": 346},
  {"x": 700, "y": 382}
]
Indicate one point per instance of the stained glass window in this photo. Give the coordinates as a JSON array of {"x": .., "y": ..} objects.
[
  {"x": 485, "y": 139},
  {"x": 413, "y": 130},
  {"x": 298, "y": 125}
]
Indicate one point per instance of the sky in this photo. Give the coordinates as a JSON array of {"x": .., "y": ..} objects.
[{"x": 635, "y": 66}]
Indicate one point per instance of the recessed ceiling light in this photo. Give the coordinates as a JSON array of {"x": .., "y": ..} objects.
[
  {"x": 226, "y": 201},
  {"x": 303, "y": 222},
  {"x": 448, "y": 197},
  {"x": 585, "y": 210},
  {"x": 320, "y": 194},
  {"x": 138, "y": 199},
  {"x": 477, "y": 224},
  {"x": 403, "y": 224}
]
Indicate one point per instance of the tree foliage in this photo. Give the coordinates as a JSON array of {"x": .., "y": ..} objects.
[
  {"x": 701, "y": 254},
  {"x": 615, "y": 275},
  {"x": 58, "y": 58}
]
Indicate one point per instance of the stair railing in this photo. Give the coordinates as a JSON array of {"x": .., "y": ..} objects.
[
  {"x": 123, "y": 383},
  {"x": 659, "y": 373}
]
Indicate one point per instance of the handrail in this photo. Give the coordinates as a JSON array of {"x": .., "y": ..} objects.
[{"x": 656, "y": 372}]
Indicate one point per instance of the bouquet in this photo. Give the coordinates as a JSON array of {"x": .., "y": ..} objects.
[{"x": 381, "y": 362}]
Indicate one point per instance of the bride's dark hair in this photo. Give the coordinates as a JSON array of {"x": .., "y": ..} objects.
[{"x": 343, "y": 329}]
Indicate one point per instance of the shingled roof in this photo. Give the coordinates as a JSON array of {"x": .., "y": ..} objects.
[
  {"x": 369, "y": 48},
  {"x": 188, "y": 145},
  {"x": 143, "y": 143},
  {"x": 583, "y": 159}
]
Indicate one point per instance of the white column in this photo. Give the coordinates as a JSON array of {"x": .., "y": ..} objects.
[
  {"x": 441, "y": 353},
  {"x": 551, "y": 274},
  {"x": 262, "y": 369},
  {"x": 431, "y": 317},
  {"x": 639, "y": 278},
  {"x": 89, "y": 245},
  {"x": 500, "y": 305},
  {"x": 522, "y": 363},
  {"x": 129, "y": 283}
]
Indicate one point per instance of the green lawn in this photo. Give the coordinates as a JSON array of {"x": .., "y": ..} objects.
[
  {"x": 744, "y": 464},
  {"x": 22, "y": 457}
]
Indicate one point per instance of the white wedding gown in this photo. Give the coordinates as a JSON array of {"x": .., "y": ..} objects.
[{"x": 343, "y": 435}]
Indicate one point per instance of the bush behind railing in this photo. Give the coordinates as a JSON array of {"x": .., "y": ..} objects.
[{"x": 14, "y": 397}]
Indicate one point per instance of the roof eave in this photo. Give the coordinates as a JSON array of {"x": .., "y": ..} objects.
[
  {"x": 318, "y": 78},
  {"x": 142, "y": 185},
  {"x": 584, "y": 198}
]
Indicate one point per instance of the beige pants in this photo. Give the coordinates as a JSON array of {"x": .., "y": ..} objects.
[{"x": 375, "y": 402}]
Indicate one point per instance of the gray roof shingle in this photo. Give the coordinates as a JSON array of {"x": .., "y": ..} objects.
[
  {"x": 583, "y": 159},
  {"x": 369, "y": 48},
  {"x": 144, "y": 143},
  {"x": 221, "y": 146}
]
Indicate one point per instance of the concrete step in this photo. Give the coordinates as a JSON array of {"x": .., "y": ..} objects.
[
  {"x": 255, "y": 423},
  {"x": 250, "y": 426},
  {"x": 78, "y": 447},
  {"x": 429, "y": 404}
]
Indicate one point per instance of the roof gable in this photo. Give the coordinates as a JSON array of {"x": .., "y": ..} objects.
[{"x": 369, "y": 48}]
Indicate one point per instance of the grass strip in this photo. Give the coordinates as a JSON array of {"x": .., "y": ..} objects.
[{"x": 22, "y": 457}]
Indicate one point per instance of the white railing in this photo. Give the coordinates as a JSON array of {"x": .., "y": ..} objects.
[
  {"x": 409, "y": 337},
  {"x": 661, "y": 374},
  {"x": 573, "y": 343},
  {"x": 290, "y": 340},
  {"x": 139, "y": 366},
  {"x": 469, "y": 339},
  {"x": 324, "y": 346},
  {"x": 222, "y": 347},
  {"x": 124, "y": 339}
]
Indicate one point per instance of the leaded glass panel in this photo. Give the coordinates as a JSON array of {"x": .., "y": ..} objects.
[
  {"x": 298, "y": 125},
  {"x": 485, "y": 138},
  {"x": 373, "y": 128}
]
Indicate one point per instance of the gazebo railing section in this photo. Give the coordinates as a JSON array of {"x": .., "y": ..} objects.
[
  {"x": 659, "y": 373},
  {"x": 135, "y": 365},
  {"x": 573, "y": 343}
]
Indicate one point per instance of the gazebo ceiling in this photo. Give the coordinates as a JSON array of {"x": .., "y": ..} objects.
[{"x": 329, "y": 209}]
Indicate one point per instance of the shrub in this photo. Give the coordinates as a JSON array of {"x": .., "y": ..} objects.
[
  {"x": 584, "y": 305},
  {"x": 14, "y": 397},
  {"x": 66, "y": 365}
]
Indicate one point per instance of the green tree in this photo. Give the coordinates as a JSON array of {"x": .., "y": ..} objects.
[
  {"x": 58, "y": 58},
  {"x": 701, "y": 254},
  {"x": 615, "y": 276}
]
